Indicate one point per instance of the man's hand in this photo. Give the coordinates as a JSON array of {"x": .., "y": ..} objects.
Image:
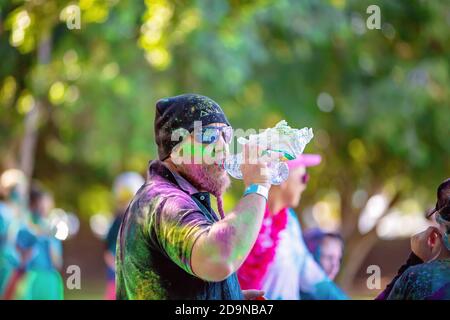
[
  {"x": 427, "y": 244},
  {"x": 254, "y": 169},
  {"x": 221, "y": 251},
  {"x": 252, "y": 294}
]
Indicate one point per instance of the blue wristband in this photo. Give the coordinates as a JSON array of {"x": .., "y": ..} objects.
[{"x": 258, "y": 189}]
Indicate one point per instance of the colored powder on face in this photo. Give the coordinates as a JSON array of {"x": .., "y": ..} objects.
[
  {"x": 207, "y": 177},
  {"x": 193, "y": 152}
]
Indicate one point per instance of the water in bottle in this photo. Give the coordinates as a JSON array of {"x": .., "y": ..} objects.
[{"x": 281, "y": 139}]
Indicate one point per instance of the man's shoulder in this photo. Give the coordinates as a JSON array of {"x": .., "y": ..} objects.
[
  {"x": 417, "y": 274},
  {"x": 428, "y": 268},
  {"x": 161, "y": 194},
  {"x": 160, "y": 189},
  {"x": 416, "y": 282},
  {"x": 420, "y": 268}
]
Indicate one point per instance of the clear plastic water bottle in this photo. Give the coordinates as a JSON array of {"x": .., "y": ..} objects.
[
  {"x": 279, "y": 171},
  {"x": 287, "y": 141}
]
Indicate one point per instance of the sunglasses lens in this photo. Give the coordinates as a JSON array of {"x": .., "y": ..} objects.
[
  {"x": 209, "y": 135},
  {"x": 227, "y": 134}
]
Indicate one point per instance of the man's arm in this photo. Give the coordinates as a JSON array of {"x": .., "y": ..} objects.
[{"x": 219, "y": 252}]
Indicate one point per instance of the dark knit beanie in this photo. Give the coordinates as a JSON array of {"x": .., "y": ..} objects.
[{"x": 182, "y": 111}]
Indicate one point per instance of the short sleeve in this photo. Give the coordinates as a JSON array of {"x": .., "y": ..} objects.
[{"x": 177, "y": 224}]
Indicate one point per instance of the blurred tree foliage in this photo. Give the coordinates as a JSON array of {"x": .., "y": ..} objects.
[{"x": 378, "y": 100}]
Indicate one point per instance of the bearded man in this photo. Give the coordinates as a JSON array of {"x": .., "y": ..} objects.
[{"x": 171, "y": 243}]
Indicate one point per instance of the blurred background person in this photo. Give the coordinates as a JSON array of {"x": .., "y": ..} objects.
[
  {"x": 431, "y": 244},
  {"x": 327, "y": 249},
  {"x": 125, "y": 187},
  {"x": 42, "y": 280},
  {"x": 280, "y": 263},
  {"x": 6, "y": 266},
  {"x": 13, "y": 209},
  {"x": 429, "y": 280}
]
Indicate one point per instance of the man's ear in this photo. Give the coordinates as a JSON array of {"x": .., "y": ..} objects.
[
  {"x": 434, "y": 238},
  {"x": 435, "y": 243}
]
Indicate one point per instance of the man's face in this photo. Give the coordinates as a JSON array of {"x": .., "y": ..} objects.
[
  {"x": 294, "y": 186},
  {"x": 330, "y": 256},
  {"x": 208, "y": 173}
]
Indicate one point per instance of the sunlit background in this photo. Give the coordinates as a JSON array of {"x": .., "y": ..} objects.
[{"x": 77, "y": 107}]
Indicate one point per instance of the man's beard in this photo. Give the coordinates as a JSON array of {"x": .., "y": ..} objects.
[{"x": 206, "y": 177}]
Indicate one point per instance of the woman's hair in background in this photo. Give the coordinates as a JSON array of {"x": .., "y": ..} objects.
[{"x": 445, "y": 212}]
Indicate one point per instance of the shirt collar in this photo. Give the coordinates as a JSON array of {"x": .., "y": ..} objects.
[{"x": 158, "y": 167}]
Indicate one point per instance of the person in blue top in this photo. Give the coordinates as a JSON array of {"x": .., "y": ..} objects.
[
  {"x": 327, "y": 249},
  {"x": 6, "y": 265},
  {"x": 42, "y": 280},
  {"x": 426, "y": 276},
  {"x": 429, "y": 280},
  {"x": 13, "y": 184}
]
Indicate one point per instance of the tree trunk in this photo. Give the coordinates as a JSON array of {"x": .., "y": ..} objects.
[
  {"x": 31, "y": 121},
  {"x": 358, "y": 247}
]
